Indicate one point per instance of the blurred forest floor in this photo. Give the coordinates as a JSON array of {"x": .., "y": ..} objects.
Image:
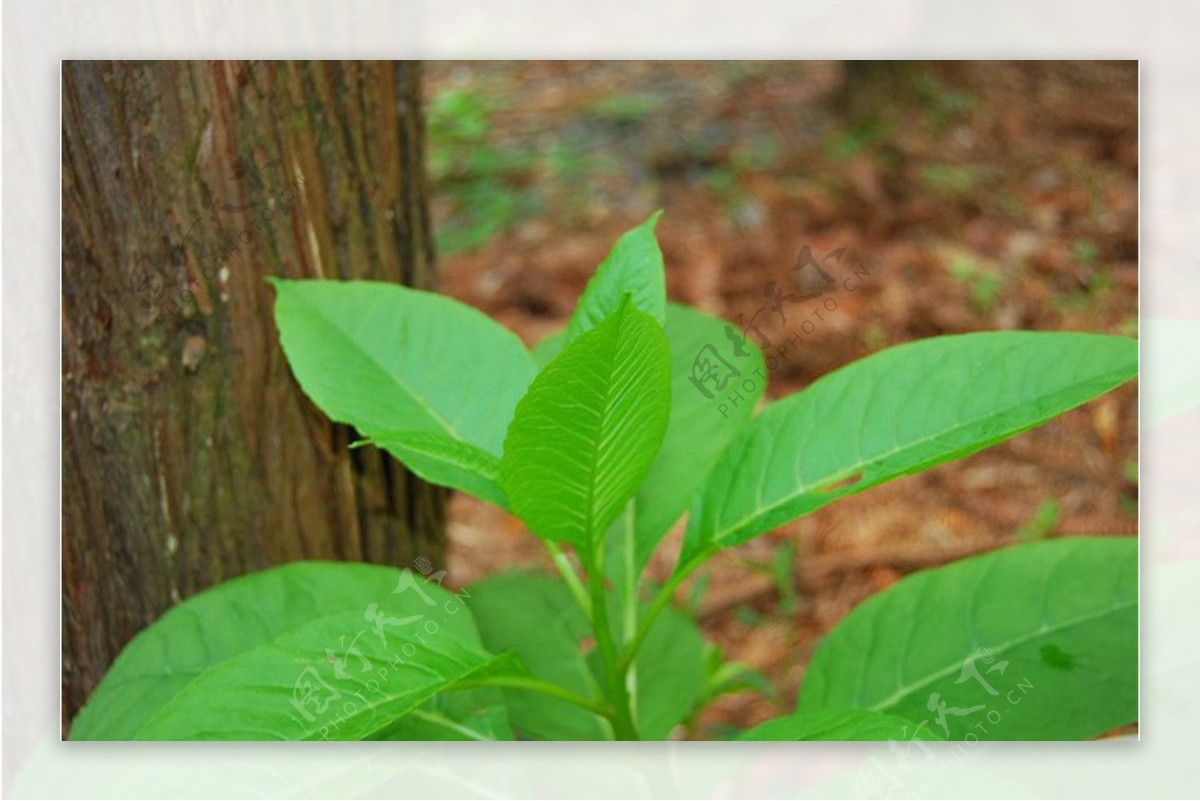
[{"x": 981, "y": 195}]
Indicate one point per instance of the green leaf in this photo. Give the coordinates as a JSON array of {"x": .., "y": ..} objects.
[
  {"x": 670, "y": 671},
  {"x": 191, "y": 637},
  {"x": 840, "y": 725},
  {"x": 558, "y": 648},
  {"x": 633, "y": 267},
  {"x": 549, "y": 347},
  {"x": 1033, "y": 642},
  {"x": 229, "y": 662},
  {"x": 254, "y": 695},
  {"x": 897, "y": 412},
  {"x": 475, "y": 714},
  {"x": 587, "y": 430},
  {"x": 699, "y": 427},
  {"x": 446, "y": 461},
  {"x": 535, "y": 617},
  {"x": 670, "y": 675},
  {"x": 383, "y": 357}
]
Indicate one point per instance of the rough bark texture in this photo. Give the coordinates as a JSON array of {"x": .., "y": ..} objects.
[{"x": 190, "y": 454}]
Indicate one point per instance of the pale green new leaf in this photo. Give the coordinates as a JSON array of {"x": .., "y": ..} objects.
[
  {"x": 840, "y": 725},
  {"x": 1033, "y": 642},
  {"x": 383, "y": 357},
  {"x": 634, "y": 267},
  {"x": 587, "y": 430},
  {"x": 897, "y": 412},
  {"x": 226, "y": 662},
  {"x": 446, "y": 461}
]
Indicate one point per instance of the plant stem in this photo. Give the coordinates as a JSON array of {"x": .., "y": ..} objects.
[
  {"x": 567, "y": 571},
  {"x": 629, "y": 598},
  {"x": 618, "y": 694},
  {"x": 665, "y": 594},
  {"x": 539, "y": 686}
]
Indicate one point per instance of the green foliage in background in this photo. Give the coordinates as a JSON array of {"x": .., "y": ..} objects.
[
  {"x": 481, "y": 180},
  {"x": 599, "y": 441}
]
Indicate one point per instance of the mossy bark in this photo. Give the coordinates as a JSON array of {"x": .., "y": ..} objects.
[{"x": 190, "y": 454}]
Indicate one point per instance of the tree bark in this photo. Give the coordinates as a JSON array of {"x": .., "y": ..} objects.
[{"x": 190, "y": 455}]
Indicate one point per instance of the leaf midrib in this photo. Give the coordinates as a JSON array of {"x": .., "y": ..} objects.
[
  {"x": 720, "y": 537},
  {"x": 400, "y": 695},
  {"x": 405, "y": 388},
  {"x": 208, "y": 669},
  {"x": 610, "y": 355},
  {"x": 930, "y": 678},
  {"x": 487, "y": 465}
]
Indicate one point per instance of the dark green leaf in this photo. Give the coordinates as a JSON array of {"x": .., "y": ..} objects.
[
  {"x": 474, "y": 714},
  {"x": 261, "y": 694},
  {"x": 670, "y": 675},
  {"x": 669, "y": 672},
  {"x": 840, "y": 725},
  {"x": 535, "y": 617},
  {"x": 229, "y": 662},
  {"x": 1033, "y": 642}
]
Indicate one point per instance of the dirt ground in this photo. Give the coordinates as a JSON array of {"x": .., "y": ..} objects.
[{"x": 981, "y": 196}]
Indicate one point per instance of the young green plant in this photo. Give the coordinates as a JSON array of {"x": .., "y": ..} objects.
[{"x": 600, "y": 441}]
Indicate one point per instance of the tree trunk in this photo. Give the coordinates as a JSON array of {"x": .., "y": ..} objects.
[{"x": 190, "y": 455}]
